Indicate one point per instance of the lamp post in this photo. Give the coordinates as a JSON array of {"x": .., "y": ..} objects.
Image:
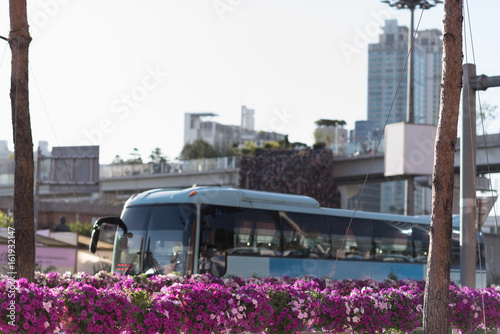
[{"x": 410, "y": 115}]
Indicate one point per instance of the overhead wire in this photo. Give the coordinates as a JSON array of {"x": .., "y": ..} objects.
[
  {"x": 55, "y": 137},
  {"x": 45, "y": 109},
  {"x": 46, "y": 113},
  {"x": 3, "y": 54},
  {"x": 403, "y": 71},
  {"x": 65, "y": 162},
  {"x": 50, "y": 123}
]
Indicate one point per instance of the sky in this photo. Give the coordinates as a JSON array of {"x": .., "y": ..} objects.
[{"x": 121, "y": 74}]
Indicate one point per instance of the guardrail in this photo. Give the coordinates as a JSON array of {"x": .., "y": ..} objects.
[{"x": 182, "y": 166}]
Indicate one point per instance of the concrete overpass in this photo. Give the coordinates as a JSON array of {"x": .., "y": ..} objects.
[
  {"x": 353, "y": 170},
  {"x": 124, "y": 186}
]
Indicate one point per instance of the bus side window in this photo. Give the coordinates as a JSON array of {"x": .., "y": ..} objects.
[
  {"x": 305, "y": 235},
  {"x": 358, "y": 243},
  {"x": 420, "y": 235},
  {"x": 338, "y": 226},
  {"x": 256, "y": 232},
  {"x": 393, "y": 241}
]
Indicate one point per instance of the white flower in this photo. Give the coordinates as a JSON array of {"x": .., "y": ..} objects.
[
  {"x": 355, "y": 319},
  {"x": 356, "y": 310},
  {"x": 475, "y": 315},
  {"x": 348, "y": 309},
  {"x": 47, "y": 306},
  {"x": 254, "y": 302}
]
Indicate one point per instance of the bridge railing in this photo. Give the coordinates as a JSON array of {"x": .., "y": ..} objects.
[
  {"x": 128, "y": 170},
  {"x": 181, "y": 166}
]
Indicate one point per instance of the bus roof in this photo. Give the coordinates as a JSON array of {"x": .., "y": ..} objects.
[
  {"x": 221, "y": 196},
  {"x": 256, "y": 200}
]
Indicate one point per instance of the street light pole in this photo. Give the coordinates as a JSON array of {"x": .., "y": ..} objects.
[{"x": 410, "y": 88}]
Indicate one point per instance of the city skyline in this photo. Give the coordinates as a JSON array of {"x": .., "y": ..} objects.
[{"x": 123, "y": 76}]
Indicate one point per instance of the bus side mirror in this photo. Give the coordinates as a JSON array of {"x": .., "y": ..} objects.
[{"x": 94, "y": 237}]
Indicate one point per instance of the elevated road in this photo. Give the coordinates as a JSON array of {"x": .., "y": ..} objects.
[{"x": 353, "y": 170}]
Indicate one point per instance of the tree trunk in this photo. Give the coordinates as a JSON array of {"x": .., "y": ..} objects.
[
  {"x": 19, "y": 40},
  {"x": 436, "y": 297}
]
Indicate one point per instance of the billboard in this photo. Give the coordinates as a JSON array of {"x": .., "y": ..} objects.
[{"x": 74, "y": 168}]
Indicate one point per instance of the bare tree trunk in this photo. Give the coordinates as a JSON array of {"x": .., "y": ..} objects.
[
  {"x": 19, "y": 40},
  {"x": 436, "y": 297}
]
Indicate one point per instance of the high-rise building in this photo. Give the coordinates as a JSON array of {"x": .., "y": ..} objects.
[
  {"x": 387, "y": 94},
  {"x": 430, "y": 41}
]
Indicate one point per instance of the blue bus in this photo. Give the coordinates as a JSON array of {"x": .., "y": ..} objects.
[{"x": 245, "y": 233}]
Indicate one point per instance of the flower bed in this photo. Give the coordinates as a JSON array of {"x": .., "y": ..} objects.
[{"x": 113, "y": 303}]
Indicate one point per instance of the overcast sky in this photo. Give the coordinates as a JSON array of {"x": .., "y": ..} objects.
[{"x": 121, "y": 74}]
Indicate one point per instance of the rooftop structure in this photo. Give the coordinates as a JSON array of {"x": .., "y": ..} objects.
[{"x": 221, "y": 136}]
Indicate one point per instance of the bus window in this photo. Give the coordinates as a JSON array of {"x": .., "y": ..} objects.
[
  {"x": 392, "y": 241},
  {"x": 305, "y": 235},
  {"x": 420, "y": 235},
  {"x": 353, "y": 244},
  {"x": 129, "y": 250},
  {"x": 169, "y": 246},
  {"x": 243, "y": 231},
  {"x": 256, "y": 232}
]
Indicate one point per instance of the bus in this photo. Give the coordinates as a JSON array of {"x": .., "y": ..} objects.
[{"x": 245, "y": 233}]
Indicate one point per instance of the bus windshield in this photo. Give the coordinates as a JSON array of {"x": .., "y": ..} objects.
[{"x": 159, "y": 240}]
